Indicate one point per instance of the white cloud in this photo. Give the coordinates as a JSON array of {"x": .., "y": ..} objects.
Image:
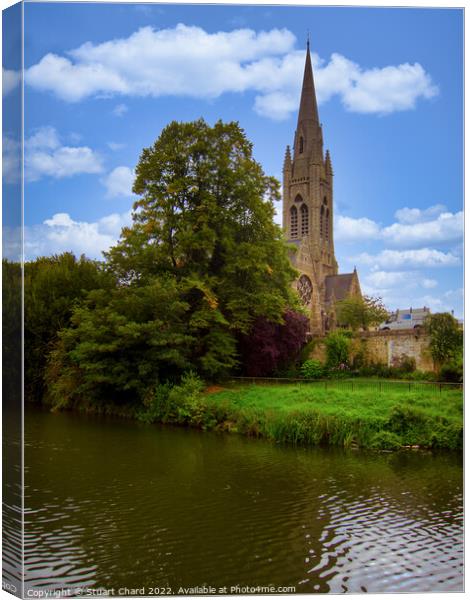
[
  {"x": 45, "y": 156},
  {"x": 446, "y": 228},
  {"x": 418, "y": 215},
  {"x": 45, "y": 138},
  {"x": 61, "y": 233},
  {"x": 406, "y": 296},
  {"x": 449, "y": 301},
  {"x": 381, "y": 281},
  {"x": 10, "y": 80},
  {"x": 388, "y": 89},
  {"x": 119, "y": 182},
  {"x": 417, "y": 227},
  {"x": 348, "y": 229},
  {"x": 408, "y": 259},
  {"x": 276, "y": 105},
  {"x": 388, "y": 279},
  {"x": 120, "y": 110},
  {"x": 188, "y": 61},
  {"x": 11, "y": 159}
]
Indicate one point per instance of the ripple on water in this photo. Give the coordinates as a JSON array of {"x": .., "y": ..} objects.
[{"x": 126, "y": 505}]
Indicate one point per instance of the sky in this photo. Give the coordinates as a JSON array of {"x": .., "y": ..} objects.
[{"x": 102, "y": 80}]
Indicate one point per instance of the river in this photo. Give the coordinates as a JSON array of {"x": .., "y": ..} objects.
[{"x": 116, "y": 504}]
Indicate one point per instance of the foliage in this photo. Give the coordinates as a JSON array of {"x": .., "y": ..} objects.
[
  {"x": 357, "y": 353},
  {"x": 312, "y": 369},
  {"x": 446, "y": 337},
  {"x": 309, "y": 414},
  {"x": 120, "y": 344},
  {"x": 419, "y": 375},
  {"x": 358, "y": 312},
  {"x": 185, "y": 400},
  {"x": 11, "y": 332},
  {"x": 270, "y": 346},
  {"x": 202, "y": 262},
  {"x": 156, "y": 403},
  {"x": 385, "y": 440},
  {"x": 179, "y": 404},
  {"x": 52, "y": 287},
  {"x": 452, "y": 371},
  {"x": 337, "y": 349},
  {"x": 205, "y": 215}
]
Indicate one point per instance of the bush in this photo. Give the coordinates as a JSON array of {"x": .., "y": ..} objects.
[
  {"x": 175, "y": 403},
  {"x": 273, "y": 348},
  {"x": 371, "y": 370},
  {"x": 185, "y": 400},
  {"x": 422, "y": 376},
  {"x": 385, "y": 440},
  {"x": 405, "y": 418},
  {"x": 337, "y": 348},
  {"x": 312, "y": 369},
  {"x": 157, "y": 406},
  {"x": 452, "y": 372}
]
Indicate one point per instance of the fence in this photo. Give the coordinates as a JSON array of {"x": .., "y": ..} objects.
[{"x": 379, "y": 385}]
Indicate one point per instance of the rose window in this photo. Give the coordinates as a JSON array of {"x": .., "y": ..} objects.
[{"x": 305, "y": 289}]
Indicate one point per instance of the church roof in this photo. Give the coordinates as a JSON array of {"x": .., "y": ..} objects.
[{"x": 338, "y": 286}]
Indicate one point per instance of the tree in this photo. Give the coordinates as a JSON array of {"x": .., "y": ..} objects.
[
  {"x": 272, "y": 346},
  {"x": 11, "y": 334},
  {"x": 360, "y": 312},
  {"x": 119, "y": 344},
  {"x": 202, "y": 261},
  {"x": 446, "y": 337},
  {"x": 52, "y": 287},
  {"x": 206, "y": 216}
]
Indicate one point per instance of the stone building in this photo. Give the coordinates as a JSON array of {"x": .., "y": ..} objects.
[{"x": 307, "y": 215}]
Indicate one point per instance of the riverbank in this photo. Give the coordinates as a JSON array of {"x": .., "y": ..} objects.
[{"x": 306, "y": 414}]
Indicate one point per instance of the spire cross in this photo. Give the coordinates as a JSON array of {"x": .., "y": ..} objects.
[{"x": 308, "y": 39}]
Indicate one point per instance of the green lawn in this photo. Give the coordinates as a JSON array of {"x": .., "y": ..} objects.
[{"x": 309, "y": 414}]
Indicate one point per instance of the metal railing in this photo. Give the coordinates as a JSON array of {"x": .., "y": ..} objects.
[{"x": 380, "y": 385}]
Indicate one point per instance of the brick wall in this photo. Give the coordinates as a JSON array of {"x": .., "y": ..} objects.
[{"x": 385, "y": 346}]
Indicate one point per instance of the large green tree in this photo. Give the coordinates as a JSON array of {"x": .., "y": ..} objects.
[
  {"x": 203, "y": 230},
  {"x": 205, "y": 214}
]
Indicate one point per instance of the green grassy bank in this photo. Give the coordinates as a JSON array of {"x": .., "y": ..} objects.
[{"x": 307, "y": 414}]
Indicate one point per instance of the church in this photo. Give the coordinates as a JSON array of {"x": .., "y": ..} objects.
[{"x": 307, "y": 216}]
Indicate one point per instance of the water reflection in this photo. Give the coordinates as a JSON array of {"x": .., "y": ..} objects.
[{"x": 118, "y": 504}]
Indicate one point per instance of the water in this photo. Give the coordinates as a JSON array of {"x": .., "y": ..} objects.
[{"x": 116, "y": 504}]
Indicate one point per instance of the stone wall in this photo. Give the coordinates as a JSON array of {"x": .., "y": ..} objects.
[{"x": 385, "y": 346}]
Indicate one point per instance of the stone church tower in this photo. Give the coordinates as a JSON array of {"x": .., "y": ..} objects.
[{"x": 307, "y": 215}]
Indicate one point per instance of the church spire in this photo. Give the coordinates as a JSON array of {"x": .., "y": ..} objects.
[
  {"x": 308, "y": 144},
  {"x": 308, "y": 110}
]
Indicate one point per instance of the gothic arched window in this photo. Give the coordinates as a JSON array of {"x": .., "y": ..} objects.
[
  {"x": 322, "y": 218},
  {"x": 301, "y": 145},
  {"x": 294, "y": 222},
  {"x": 305, "y": 289},
  {"x": 298, "y": 198},
  {"x": 327, "y": 224},
  {"x": 303, "y": 220}
]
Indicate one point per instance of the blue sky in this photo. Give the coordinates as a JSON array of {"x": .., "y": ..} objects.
[{"x": 101, "y": 81}]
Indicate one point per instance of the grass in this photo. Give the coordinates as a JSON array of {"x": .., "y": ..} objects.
[{"x": 307, "y": 414}]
